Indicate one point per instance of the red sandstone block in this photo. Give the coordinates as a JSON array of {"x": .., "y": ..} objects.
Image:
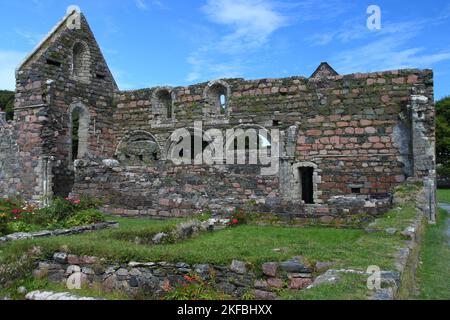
[
  {"x": 349, "y": 130},
  {"x": 334, "y": 140},
  {"x": 374, "y": 139},
  {"x": 365, "y": 122},
  {"x": 413, "y": 78},
  {"x": 398, "y": 80},
  {"x": 325, "y": 140},
  {"x": 314, "y": 132},
  {"x": 342, "y": 124},
  {"x": 371, "y": 130},
  {"x": 378, "y": 145}
]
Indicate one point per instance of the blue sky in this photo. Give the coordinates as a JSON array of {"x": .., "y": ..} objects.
[{"x": 178, "y": 42}]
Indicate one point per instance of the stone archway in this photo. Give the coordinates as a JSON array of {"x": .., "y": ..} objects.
[{"x": 76, "y": 146}]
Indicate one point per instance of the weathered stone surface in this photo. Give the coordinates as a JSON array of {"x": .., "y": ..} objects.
[
  {"x": 299, "y": 283},
  {"x": 61, "y": 232},
  {"x": 275, "y": 283},
  {"x": 60, "y": 257},
  {"x": 264, "y": 295},
  {"x": 49, "y": 295},
  {"x": 238, "y": 267},
  {"x": 270, "y": 269},
  {"x": 323, "y": 266},
  {"x": 296, "y": 265},
  {"x": 158, "y": 238}
]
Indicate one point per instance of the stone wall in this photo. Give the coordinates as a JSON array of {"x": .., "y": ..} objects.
[
  {"x": 49, "y": 89},
  {"x": 357, "y": 132},
  {"x": 342, "y": 137}
]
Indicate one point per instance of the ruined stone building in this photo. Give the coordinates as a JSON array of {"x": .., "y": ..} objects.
[{"x": 345, "y": 141}]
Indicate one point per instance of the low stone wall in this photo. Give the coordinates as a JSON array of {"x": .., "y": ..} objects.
[
  {"x": 59, "y": 232},
  {"x": 153, "y": 280},
  {"x": 164, "y": 191}
]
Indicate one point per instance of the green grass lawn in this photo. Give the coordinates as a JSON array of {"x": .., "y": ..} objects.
[
  {"x": 254, "y": 244},
  {"x": 351, "y": 248},
  {"x": 443, "y": 195},
  {"x": 434, "y": 272}
]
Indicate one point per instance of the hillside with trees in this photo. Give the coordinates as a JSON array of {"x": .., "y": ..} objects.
[
  {"x": 7, "y": 103},
  {"x": 443, "y": 137}
]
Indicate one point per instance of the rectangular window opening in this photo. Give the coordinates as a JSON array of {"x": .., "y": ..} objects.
[
  {"x": 100, "y": 76},
  {"x": 307, "y": 184},
  {"x": 53, "y": 63},
  {"x": 356, "y": 190}
]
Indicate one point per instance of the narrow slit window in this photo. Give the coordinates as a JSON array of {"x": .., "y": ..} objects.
[
  {"x": 75, "y": 131},
  {"x": 356, "y": 190},
  {"x": 307, "y": 184},
  {"x": 223, "y": 103},
  {"x": 53, "y": 63}
]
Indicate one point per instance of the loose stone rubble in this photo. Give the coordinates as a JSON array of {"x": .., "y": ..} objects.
[{"x": 59, "y": 232}]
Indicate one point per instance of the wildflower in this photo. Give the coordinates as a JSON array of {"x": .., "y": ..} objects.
[{"x": 235, "y": 221}]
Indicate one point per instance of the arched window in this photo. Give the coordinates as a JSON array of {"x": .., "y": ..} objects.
[
  {"x": 138, "y": 148},
  {"x": 223, "y": 104},
  {"x": 81, "y": 62},
  {"x": 79, "y": 131},
  {"x": 163, "y": 104},
  {"x": 217, "y": 94}
]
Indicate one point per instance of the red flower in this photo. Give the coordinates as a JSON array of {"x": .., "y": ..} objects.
[
  {"x": 235, "y": 221},
  {"x": 77, "y": 201},
  {"x": 15, "y": 211}
]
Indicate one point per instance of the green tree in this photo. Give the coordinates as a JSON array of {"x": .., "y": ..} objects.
[
  {"x": 7, "y": 103},
  {"x": 443, "y": 134}
]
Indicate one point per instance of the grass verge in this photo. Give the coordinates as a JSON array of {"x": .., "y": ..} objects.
[
  {"x": 434, "y": 270},
  {"x": 443, "y": 195}
]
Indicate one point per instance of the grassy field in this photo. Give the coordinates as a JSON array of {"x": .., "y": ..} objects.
[
  {"x": 434, "y": 272},
  {"x": 443, "y": 195},
  {"x": 350, "y": 248},
  {"x": 254, "y": 244}
]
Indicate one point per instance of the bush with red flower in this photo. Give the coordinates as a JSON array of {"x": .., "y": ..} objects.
[
  {"x": 238, "y": 217},
  {"x": 17, "y": 216}
]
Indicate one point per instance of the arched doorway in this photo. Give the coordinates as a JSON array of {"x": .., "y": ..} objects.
[{"x": 75, "y": 147}]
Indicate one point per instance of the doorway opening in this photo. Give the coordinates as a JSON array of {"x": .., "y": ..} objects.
[{"x": 306, "y": 175}]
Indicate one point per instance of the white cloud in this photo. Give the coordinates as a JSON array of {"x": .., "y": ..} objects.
[
  {"x": 32, "y": 37},
  {"x": 390, "y": 52},
  {"x": 144, "y": 6},
  {"x": 9, "y": 60},
  {"x": 251, "y": 21},
  {"x": 246, "y": 26}
]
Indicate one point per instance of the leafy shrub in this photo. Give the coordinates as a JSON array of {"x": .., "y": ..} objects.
[
  {"x": 3, "y": 224},
  {"x": 17, "y": 216},
  {"x": 85, "y": 217},
  {"x": 20, "y": 226},
  {"x": 238, "y": 217},
  {"x": 61, "y": 210},
  {"x": 443, "y": 171}
]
